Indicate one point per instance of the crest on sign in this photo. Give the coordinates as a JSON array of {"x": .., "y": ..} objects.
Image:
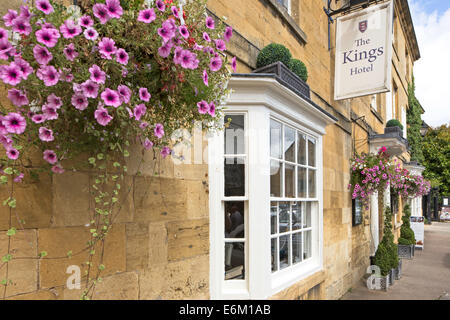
[{"x": 363, "y": 26}]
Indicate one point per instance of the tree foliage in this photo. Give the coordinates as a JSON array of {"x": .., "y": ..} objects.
[{"x": 436, "y": 151}]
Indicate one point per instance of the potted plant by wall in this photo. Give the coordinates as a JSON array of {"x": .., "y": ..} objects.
[
  {"x": 386, "y": 257},
  {"x": 407, "y": 241},
  {"x": 276, "y": 58},
  {"x": 394, "y": 126}
]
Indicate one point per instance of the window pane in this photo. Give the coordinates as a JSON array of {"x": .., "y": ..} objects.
[
  {"x": 234, "y": 220},
  {"x": 301, "y": 149},
  {"x": 234, "y": 177},
  {"x": 307, "y": 218},
  {"x": 273, "y": 217},
  {"x": 297, "y": 215},
  {"x": 284, "y": 251},
  {"x": 312, "y": 183},
  {"x": 234, "y": 135},
  {"x": 284, "y": 217},
  {"x": 289, "y": 144},
  {"x": 275, "y": 139},
  {"x": 289, "y": 177},
  {"x": 301, "y": 183},
  {"x": 308, "y": 247},
  {"x": 275, "y": 179},
  {"x": 296, "y": 247},
  {"x": 274, "y": 254},
  {"x": 234, "y": 260},
  {"x": 312, "y": 152}
]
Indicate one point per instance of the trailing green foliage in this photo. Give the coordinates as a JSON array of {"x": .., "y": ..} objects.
[
  {"x": 406, "y": 233},
  {"x": 414, "y": 121},
  {"x": 386, "y": 257},
  {"x": 299, "y": 68},
  {"x": 272, "y": 53},
  {"x": 394, "y": 123}
]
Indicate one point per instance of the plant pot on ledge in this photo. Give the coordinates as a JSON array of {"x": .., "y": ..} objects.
[
  {"x": 406, "y": 251},
  {"x": 286, "y": 75}
]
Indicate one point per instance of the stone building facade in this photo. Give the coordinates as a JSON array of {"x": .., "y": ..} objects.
[{"x": 167, "y": 242}]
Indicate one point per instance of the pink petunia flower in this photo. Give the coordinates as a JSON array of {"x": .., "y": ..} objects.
[
  {"x": 42, "y": 55},
  {"x": 144, "y": 95},
  {"x": 58, "y": 169},
  {"x": 102, "y": 116},
  {"x": 11, "y": 74},
  {"x": 9, "y": 17},
  {"x": 220, "y": 45},
  {"x": 206, "y": 37},
  {"x": 139, "y": 111},
  {"x": 183, "y": 30},
  {"x": 233, "y": 64},
  {"x": 90, "y": 89},
  {"x": 111, "y": 98},
  {"x": 70, "y": 52},
  {"x": 147, "y": 144},
  {"x": 6, "y": 50},
  {"x": 79, "y": 101},
  {"x": 50, "y": 156},
  {"x": 12, "y": 153},
  {"x": 22, "y": 26},
  {"x": 175, "y": 12},
  {"x": 49, "y": 75},
  {"x": 14, "y": 123},
  {"x": 212, "y": 109},
  {"x": 107, "y": 48},
  {"x": 215, "y": 64},
  {"x": 165, "y": 50},
  {"x": 210, "y": 24},
  {"x": 159, "y": 130},
  {"x": 54, "y": 101},
  {"x": 70, "y": 29},
  {"x": 19, "y": 178},
  {"x": 3, "y": 34},
  {"x": 167, "y": 30},
  {"x": 203, "y": 107},
  {"x": 24, "y": 66},
  {"x": 86, "y": 21},
  {"x": 25, "y": 12},
  {"x": 44, "y": 6},
  {"x": 45, "y": 134},
  {"x": 48, "y": 36},
  {"x": 101, "y": 12},
  {"x": 147, "y": 16},
  {"x": 165, "y": 152},
  {"x": 125, "y": 93},
  {"x": 97, "y": 75},
  {"x": 160, "y": 5},
  {"x": 91, "y": 34},
  {"x": 38, "y": 118},
  {"x": 228, "y": 33},
  {"x": 114, "y": 8},
  {"x": 205, "y": 78},
  {"x": 122, "y": 57},
  {"x": 18, "y": 98}
]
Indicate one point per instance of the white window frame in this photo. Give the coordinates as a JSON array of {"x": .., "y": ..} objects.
[{"x": 281, "y": 104}]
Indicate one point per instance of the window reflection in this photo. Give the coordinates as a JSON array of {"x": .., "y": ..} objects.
[
  {"x": 234, "y": 220},
  {"x": 234, "y": 261},
  {"x": 297, "y": 247},
  {"x": 312, "y": 183},
  {"x": 234, "y": 135},
  {"x": 307, "y": 246},
  {"x": 234, "y": 177},
  {"x": 275, "y": 139},
  {"x": 311, "y": 152},
  {"x": 274, "y": 254},
  {"x": 284, "y": 217},
  {"x": 275, "y": 179},
  {"x": 302, "y": 183},
  {"x": 289, "y": 144},
  {"x": 285, "y": 251},
  {"x": 297, "y": 215},
  {"x": 301, "y": 149},
  {"x": 273, "y": 217},
  {"x": 289, "y": 177}
]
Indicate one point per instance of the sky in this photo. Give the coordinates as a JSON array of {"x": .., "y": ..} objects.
[{"x": 432, "y": 72}]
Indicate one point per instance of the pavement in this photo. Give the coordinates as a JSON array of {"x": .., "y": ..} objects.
[{"x": 426, "y": 277}]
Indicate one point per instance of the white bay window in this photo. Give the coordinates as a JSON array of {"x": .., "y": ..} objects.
[{"x": 266, "y": 197}]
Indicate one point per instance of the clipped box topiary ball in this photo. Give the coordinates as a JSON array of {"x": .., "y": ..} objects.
[
  {"x": 299, "y": 68},
  {"x": 273, "y": 53},
  {"x": 394, "y": 123}
]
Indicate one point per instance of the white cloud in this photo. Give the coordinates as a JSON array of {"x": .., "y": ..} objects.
[{"x": 432, "y": 71}]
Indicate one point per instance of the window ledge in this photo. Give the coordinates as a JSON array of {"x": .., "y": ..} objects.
[{"x": 286, "y": 17}]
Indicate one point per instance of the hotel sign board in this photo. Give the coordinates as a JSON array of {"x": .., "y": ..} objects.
[{"x": 364, "y": 52}]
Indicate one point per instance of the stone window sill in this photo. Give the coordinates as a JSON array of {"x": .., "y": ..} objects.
[{"x": 286, "y": 18}]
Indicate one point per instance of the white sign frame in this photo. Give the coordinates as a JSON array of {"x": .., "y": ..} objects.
[
  {"x": 419, "y": 230},
  {"x": 341, "y": 93}
]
